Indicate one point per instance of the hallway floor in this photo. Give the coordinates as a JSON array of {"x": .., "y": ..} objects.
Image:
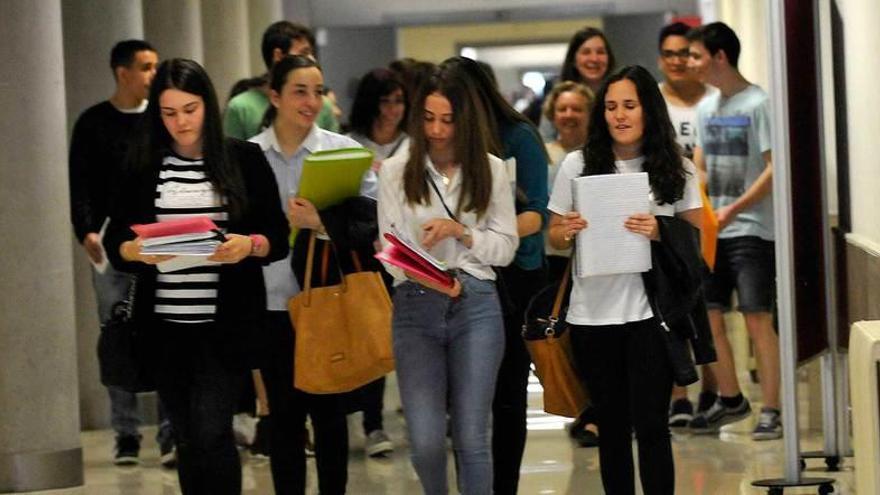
[{"x": 723, "y": 465}]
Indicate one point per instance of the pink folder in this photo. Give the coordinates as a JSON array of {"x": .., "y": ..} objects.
[
  {"x": 191, "y": 225},
  {"x": 402, "y": 256}
]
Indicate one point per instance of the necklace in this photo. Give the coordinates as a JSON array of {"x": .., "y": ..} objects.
[{"x": 444, "y": 178}]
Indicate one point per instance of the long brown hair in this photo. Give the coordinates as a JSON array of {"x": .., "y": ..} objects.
[{"x": 469, "y": 142}]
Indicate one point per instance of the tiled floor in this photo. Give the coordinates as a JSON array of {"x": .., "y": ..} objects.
[{"x": 552, "y": 465}]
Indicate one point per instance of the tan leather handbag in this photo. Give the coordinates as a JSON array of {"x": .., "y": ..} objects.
[
  {"x": 549, "y": 345},
  {"x": 343, "y": 332}
]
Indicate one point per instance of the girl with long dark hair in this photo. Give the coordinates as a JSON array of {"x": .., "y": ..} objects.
[
  {"x": 454, "y": 198},
  {"x": 202, "y": 317},
  {"x": 616, "y": 336},
  {"x": 295, "y": 93},
  {"x": 514, "y": 139}
]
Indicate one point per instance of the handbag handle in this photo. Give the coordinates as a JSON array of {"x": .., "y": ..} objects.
[
  {"x": 310, "y": 264},
  {"x": 560, "y": 294}
]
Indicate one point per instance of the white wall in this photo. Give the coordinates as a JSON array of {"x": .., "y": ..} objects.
[{"x": 862, "y": 39}]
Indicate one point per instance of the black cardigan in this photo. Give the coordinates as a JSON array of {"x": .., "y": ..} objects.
[
  {"x": 675, "y": 292},
  {"x": 241, "y": 295}
]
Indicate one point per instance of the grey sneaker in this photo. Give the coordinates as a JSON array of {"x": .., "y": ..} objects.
[
  {"x": 681, "y": 412},
  {"x": 769, "y": 425},
  {"x": 711, "y": 420},
  {"x": 378, "y": 444}
]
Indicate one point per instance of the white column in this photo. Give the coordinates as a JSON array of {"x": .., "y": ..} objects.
[
  {"x": 261, "y": 13},
  {"x": 91, "y": 28},
  {"x": 174, "y": 27},
  {"x": 39, "y": 433},
  {"x": 225, "y": 35}
]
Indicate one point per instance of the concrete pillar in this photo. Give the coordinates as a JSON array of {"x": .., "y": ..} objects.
[
  {"x": 298, "y": 11},
  {"x": 39, "y": 434},
  {"x": 261, "y": 13},
  {"x": 174, "y": 27},
  {"x": 88, "y": 39},
  {"x": 225, "y": 35}
]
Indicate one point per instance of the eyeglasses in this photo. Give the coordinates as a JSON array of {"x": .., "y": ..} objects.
[
  {"x": 669, "y": 54},
  {"x": 391, "y": 101}
]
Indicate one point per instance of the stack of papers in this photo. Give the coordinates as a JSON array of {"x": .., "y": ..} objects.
[
  {"x": 606, "y": 247},
  {"x": 186, "y": 237},
  {"x": 409, "y": 256}
]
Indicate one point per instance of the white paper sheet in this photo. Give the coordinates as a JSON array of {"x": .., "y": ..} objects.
[
  {"x": 605, "y": 247},
  {"x": 102, "y": 266}
]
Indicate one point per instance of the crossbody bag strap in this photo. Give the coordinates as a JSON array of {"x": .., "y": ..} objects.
[{"x": 437, "y": 190}]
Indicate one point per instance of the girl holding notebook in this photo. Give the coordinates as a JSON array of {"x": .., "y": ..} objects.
[
  {"x": 454, "y": 199},
  {"x": 296, "y": 84},
  {"x": 202, "y": 318},
  {"x": 617, "y": 339}
]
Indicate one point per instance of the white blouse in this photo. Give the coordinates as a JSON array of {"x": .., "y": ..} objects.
[{"x": 494, "y": 234}]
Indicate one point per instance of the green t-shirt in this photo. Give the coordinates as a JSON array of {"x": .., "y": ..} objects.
[{"x": 244, "y": 115}]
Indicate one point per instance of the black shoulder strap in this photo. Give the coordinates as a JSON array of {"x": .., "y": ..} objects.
[{"x": 437, "y": 190}]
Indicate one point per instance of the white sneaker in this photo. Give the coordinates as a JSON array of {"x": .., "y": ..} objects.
[
  {"x": 378, "y": 444},
  {"x": 244, "y": 426}
]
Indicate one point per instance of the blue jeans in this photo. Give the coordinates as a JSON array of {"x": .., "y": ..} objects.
[
  {"x": 448, "y": 353},
  {"x": 110, "y": 288}
]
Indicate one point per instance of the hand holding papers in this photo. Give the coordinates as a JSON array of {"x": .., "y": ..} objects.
[
  {"x": 606, "y": 247},
  {"x": 415, "y": 261},
  {"x": 190, "y": 241}
]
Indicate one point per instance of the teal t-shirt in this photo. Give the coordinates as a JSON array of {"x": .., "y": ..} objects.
[
  {"x": 733, "y": 133},
  {"x": 243, "y": 118}
]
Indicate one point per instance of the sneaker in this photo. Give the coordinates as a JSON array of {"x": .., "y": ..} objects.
[
  {"x": 769, "y": 425},
  {"x": 168, "y": 454},
  {"x": 681, "y": 412},
  {"x": 378, "y": 444},
  {"x": 719, "y": 415},
  {"x": 308, "y": 444},
  {"x": 705, "y": 401},
  {"x": 127, "y": 449},
  {"x": 259, "y": 447},
  {"x": 244, "y": 427}
]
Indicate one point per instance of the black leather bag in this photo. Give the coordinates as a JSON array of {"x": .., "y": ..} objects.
[{"x": 123, "y": 349}]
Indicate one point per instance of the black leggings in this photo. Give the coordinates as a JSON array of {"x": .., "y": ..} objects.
[
  {"x": 629, "y": 378},
  {"x": 511, "y": 394},
  {"x": 288, "y": 407}
]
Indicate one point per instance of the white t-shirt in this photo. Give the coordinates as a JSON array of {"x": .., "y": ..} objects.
[
  {"x": 684, "y": 119},
  {"x": 614, "y": 299}
]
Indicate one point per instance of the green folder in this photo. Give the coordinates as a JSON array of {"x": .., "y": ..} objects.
[{"x": 332, "y": 176}]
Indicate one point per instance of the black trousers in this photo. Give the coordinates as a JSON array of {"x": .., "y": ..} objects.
[
  {"x": 511, "y": 394},
  {"x": 372, "y": 402},
  {"x": 629, "y": 378},
  {"x": 200, "y": 391},
  {"x": 289, "y": 407}
]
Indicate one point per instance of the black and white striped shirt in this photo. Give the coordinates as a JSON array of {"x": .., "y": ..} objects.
[{"x": 190, "y": 295}]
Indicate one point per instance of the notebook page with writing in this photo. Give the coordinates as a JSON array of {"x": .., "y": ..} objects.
[{"x": 605, "y": 247}]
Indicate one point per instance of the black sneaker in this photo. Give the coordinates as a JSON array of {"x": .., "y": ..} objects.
[
  {"x": 681, "y": 412},
  {"x": 705, "y": 401},
  {"x": 168, "y": 454},
  {"x": 719, "y": 415},
  {"x": 260, "y": 447},
  {"x": 127, "y": 449}
]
